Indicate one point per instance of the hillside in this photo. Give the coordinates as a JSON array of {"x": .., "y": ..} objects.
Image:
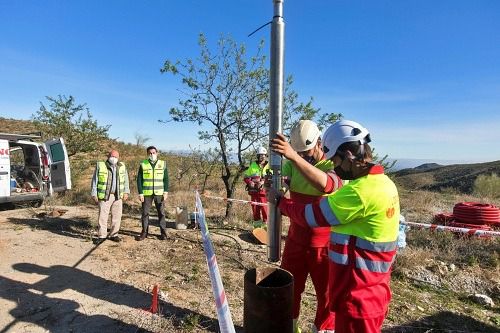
[
  {"x": 459, "y": 177},
  {"x": 9, "y": 125}
]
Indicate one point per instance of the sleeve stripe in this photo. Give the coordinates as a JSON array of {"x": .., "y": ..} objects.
[
  {"x": 309, "y": 214},
  {"x": 327, "y": 212},
  {"x": 341, "y": 239}
]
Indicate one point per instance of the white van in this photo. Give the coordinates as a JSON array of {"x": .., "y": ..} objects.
[{"x": 30, "y": 170}]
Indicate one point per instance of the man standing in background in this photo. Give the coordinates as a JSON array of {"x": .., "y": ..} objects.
[
  {"x": 152, "y": 184},
  {"x": 110, "y": 186},
  {"x": 254, "y": 178}
]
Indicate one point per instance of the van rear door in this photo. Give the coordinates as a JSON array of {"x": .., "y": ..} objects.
[
  {"x": 4, "y": 168},
  {"x": 60, "y": 173}
]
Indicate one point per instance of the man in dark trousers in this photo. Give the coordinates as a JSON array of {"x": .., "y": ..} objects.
[{"x": 152, "y": 184}]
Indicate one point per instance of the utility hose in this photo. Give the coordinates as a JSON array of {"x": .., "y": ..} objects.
[{"x": 476, "y": 214}]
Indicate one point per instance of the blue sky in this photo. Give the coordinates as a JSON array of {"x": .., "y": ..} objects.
[{"x": 422, "y": 76}]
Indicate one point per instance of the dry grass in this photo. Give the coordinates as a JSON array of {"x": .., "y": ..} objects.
[{"x": 421, "y": 206}]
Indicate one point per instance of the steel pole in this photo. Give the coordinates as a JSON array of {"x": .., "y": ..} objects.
[{"x": 275, "y": 124}]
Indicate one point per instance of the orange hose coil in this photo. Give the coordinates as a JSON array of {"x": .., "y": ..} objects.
[{"x": 476, "y": 213}]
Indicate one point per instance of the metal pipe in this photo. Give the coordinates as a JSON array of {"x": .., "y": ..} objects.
[{"x": 275, "y": 124}]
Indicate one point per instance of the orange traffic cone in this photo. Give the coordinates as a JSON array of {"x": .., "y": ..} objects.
[{"x": 154, "y": 301}]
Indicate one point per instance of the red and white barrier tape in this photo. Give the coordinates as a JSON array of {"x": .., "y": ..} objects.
[
  {"x": 235, "y": 200},
  {"x": 475, "y": 232},
  {"x": 223, "y": 313}
]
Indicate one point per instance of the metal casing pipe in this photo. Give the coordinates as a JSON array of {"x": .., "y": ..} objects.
[
  {"x": 275, "y": 125},
  {"x": 268, "y": 301}
]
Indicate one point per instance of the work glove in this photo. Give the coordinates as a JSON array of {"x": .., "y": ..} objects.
[
  {"x": 141, "y": 197},
  {"x": 95, "y": 199},
  {"x": 125, "y": 196},
  {"x": 165, "y": 196}
]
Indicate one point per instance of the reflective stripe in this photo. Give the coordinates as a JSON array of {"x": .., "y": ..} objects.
[
  {"x": 311, "y": 220},
  {"x": 338, "y": 258},
  {"x": 373, "y": 266},
  {"x": 156, "y": 187},
  {"x": 376, "y": 246},
  {"x": 327, "y": 212},
  {"x": 121, "y": 179},
  {"x": 337, "y": 238}
]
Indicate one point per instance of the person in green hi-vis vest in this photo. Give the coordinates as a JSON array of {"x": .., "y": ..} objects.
[
  {"x": 110, "y": 186},
  {"x": 152, "y": 185},
  {"x": 254, "y": 179}
]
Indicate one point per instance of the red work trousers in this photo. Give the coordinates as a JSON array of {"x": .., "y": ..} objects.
[
  {"x": 301, "y": 261},
  {"x": 344, "y": 323},
  {"x": 257, "y": 211}
]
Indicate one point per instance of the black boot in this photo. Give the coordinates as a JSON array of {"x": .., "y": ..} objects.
[
  {"x": 144, "y": 234},
  {"x": 163, "y": 235}
]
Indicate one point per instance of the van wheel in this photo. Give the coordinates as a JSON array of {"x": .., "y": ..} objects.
[{"x": 36, "y": 203}]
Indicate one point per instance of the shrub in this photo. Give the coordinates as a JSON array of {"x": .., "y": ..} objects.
[{"x": 487, "y": 186}]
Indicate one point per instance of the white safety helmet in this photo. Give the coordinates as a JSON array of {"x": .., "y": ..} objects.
[
  {"x": 262, "y": 151},
  {"x": 341, "y": 132},
  {"x": 304, "y": 136}
]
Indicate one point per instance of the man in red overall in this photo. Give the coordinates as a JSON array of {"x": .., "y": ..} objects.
[
  {"x": 306, "y": 250},
  {"x": 255, "y": 178},
  {"x": 364, "y": 218}
]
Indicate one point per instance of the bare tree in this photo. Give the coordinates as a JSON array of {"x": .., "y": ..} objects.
[
  {"x": 140, "y": 140},
  {"x": 227, "y": 93}
]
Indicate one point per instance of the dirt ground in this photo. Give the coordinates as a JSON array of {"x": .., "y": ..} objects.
[{"x": 54, "y": 279}]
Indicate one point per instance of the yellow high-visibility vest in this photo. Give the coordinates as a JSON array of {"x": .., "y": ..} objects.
[
  {"x": 102, "y": 180},
  {"x": 152, "y": 179}
]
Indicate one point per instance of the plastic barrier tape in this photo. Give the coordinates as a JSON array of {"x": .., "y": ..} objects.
[
  {"x": 223, "y": 314},
  {"x": 475, "y": 232},
  {"x": 235, "y": 200}
]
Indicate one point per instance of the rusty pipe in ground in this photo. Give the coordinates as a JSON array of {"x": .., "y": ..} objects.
[{"x": 268, "y": 301}]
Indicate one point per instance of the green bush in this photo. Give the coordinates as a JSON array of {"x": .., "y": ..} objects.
[{"x": 487, "y": 186}]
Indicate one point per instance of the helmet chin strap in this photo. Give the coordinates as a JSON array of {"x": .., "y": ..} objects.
[{"x": 361, "y": 153}]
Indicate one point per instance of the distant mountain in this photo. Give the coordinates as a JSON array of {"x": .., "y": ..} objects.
[
  {"x": 427, "y": 166},
  {"x": 406, "y": 163},
  {"x": 435, "y": 177}
]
